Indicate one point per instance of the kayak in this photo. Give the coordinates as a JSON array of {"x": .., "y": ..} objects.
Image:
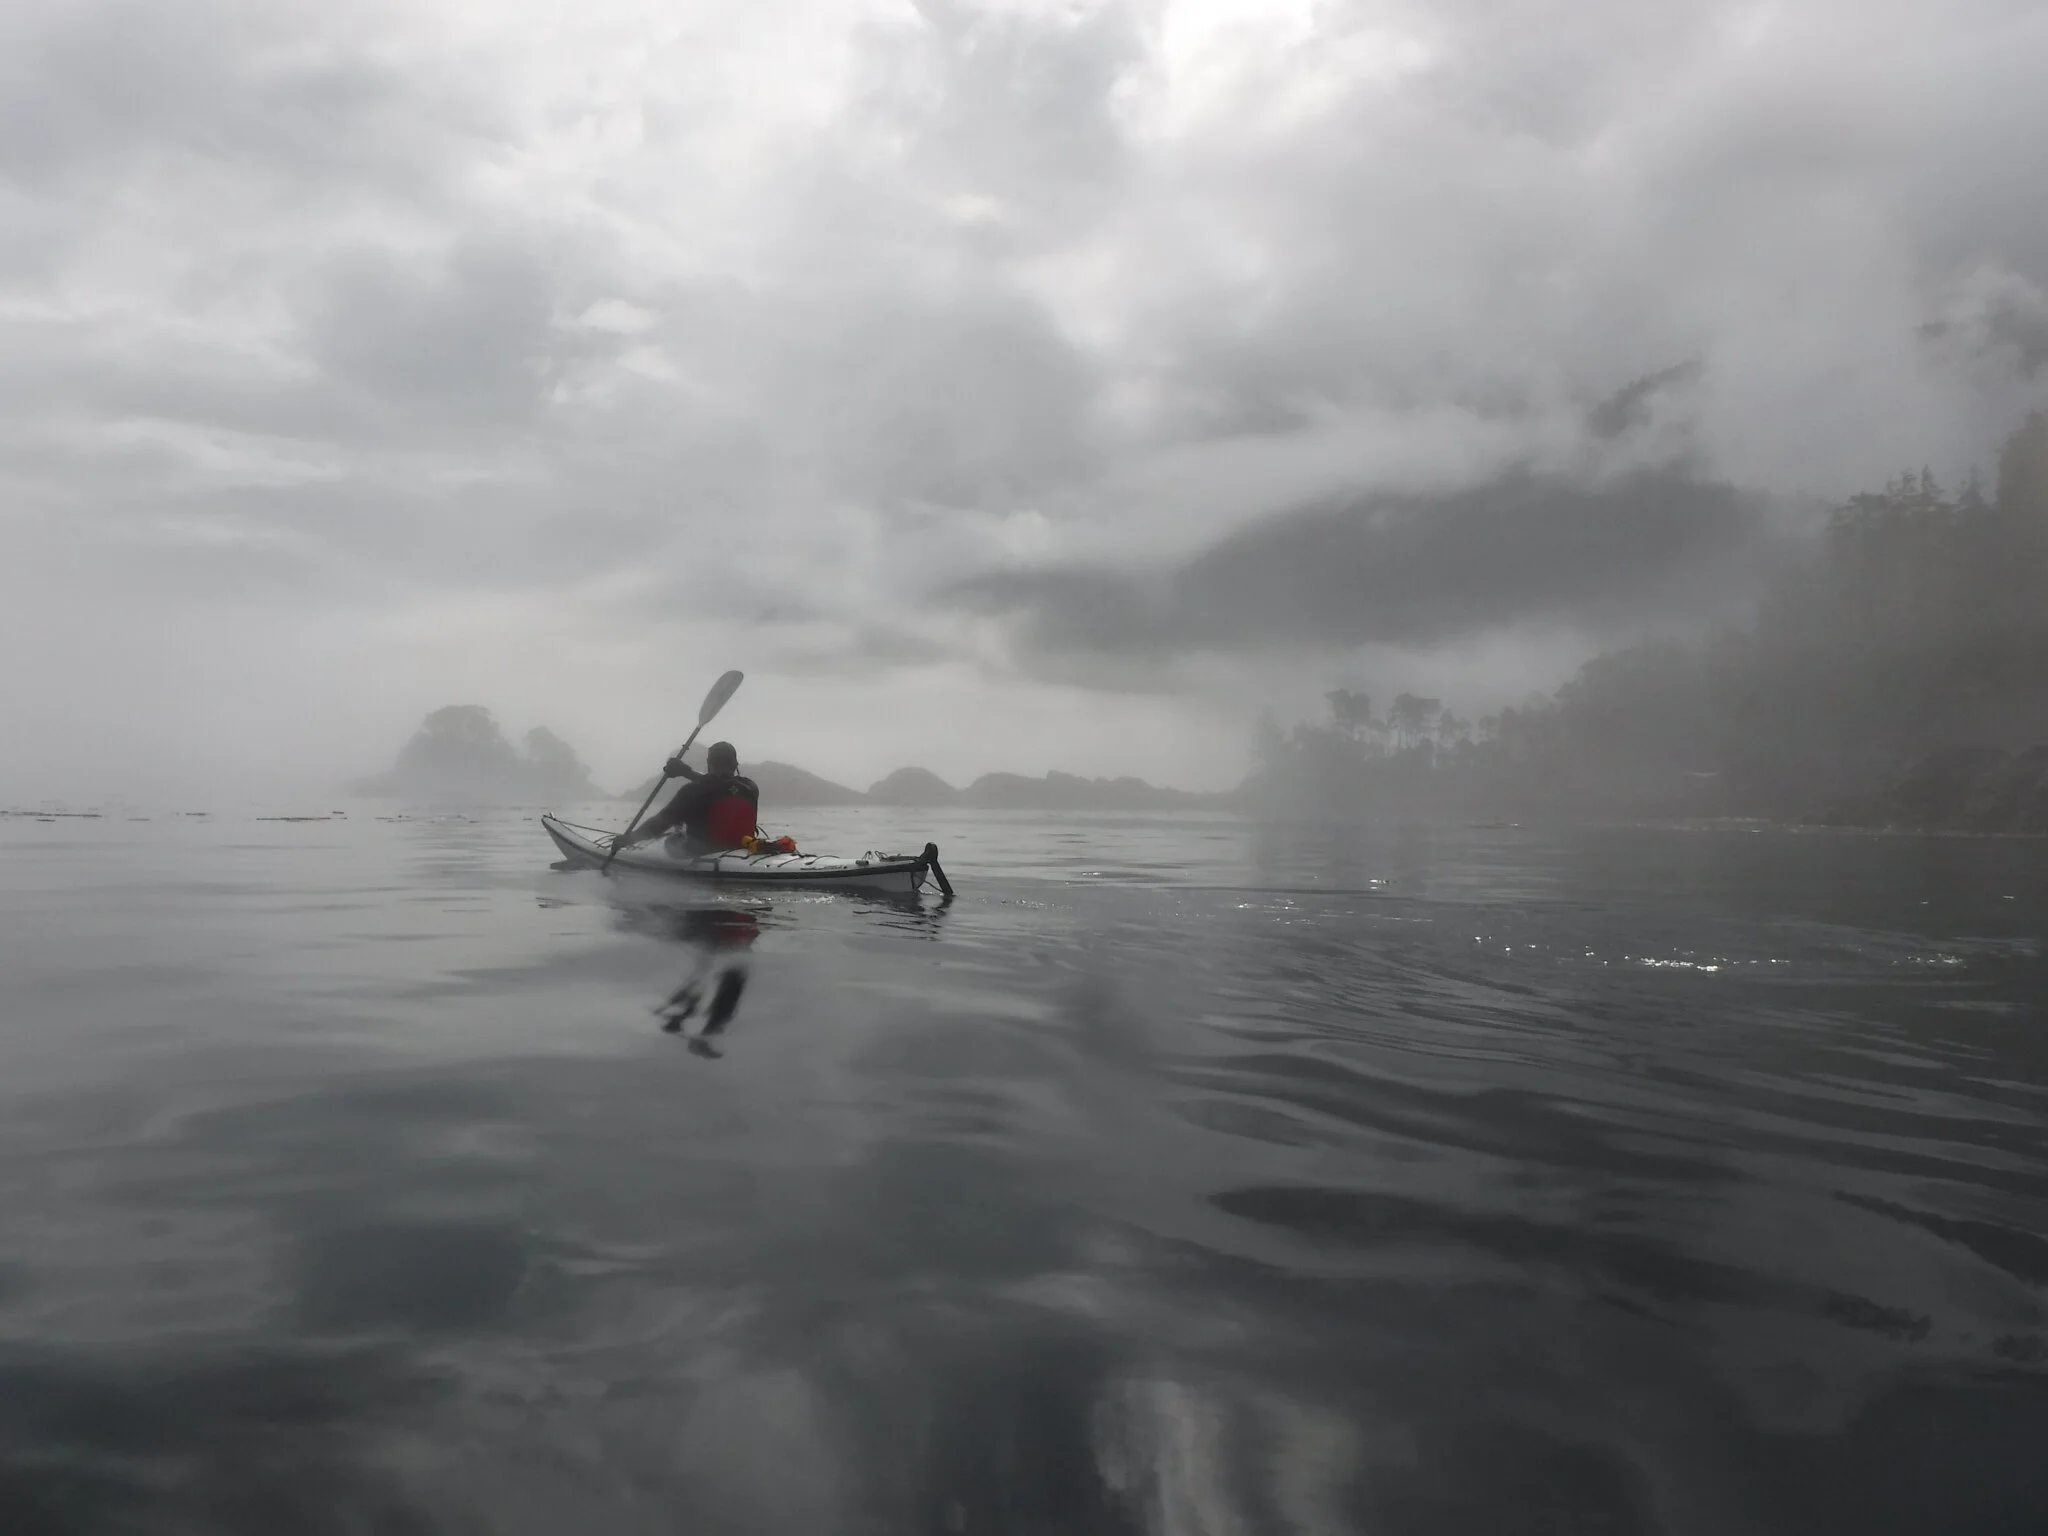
[{"x": 897, "y": 873}]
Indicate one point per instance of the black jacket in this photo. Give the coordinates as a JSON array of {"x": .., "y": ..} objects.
[{"x": 690, "y": 806}]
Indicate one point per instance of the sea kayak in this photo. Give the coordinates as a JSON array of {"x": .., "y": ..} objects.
[{"x": 897, "y": 873}]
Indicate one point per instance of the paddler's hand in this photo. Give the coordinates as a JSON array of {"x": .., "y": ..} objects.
[{"x": 676, "y": 768}]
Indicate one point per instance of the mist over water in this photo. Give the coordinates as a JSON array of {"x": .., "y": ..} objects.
[
  {"x": 1184, "y": 1174},
  {"x": 1437, "y": 421}
]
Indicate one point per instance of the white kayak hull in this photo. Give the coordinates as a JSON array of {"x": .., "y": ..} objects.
[{"x": 900, "y": 874}]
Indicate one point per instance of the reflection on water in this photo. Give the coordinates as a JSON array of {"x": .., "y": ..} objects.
[
  {"x": 718, "y": 936},
  {"x": 1180, "y": 1176}
]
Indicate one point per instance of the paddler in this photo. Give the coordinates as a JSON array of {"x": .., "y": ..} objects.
[{"x": 716, "y": 810}]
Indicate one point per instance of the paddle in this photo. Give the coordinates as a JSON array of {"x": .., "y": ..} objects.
[{"x": 714, "y": 701}]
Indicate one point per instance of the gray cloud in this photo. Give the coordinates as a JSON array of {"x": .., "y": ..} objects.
[
  {"x": 970, "y": 400},
  {"x": 1010, "y": 106},
  {"x": 1631, "y": 407},
  {"x": 1411, "y": 571},
  {"x": 299, "y": 96},
  {"x": 469, "y": 336},
  {"x": 514, "y": 355}
]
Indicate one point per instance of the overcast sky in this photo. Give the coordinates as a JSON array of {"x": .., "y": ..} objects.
[{"x": 1006, "y": 385}]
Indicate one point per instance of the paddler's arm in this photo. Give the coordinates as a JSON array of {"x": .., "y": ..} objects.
[
  {"x": 666, "y": 819},
  {"x": 661, "y": 820}
]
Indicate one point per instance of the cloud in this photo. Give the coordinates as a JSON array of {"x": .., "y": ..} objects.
[
  {"x": 967, "y": 400},
  {"x": 96, "y": 92},
  {"x": 1409, "y": 571},
  {"x": 531, "y": 347},
  {"x": 439, "y": 340}
]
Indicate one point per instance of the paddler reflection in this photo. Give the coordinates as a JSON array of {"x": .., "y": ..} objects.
[{"x": 720, "y": 937}]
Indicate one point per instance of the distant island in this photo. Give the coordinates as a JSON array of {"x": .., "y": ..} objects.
[
  {"x": 921, "y": 789},
  {"x": 460, "y": 756}
]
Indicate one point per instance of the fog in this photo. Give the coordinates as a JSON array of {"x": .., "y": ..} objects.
[{"x": 1004, "y": 386}]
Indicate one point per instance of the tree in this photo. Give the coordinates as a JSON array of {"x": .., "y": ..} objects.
[
  {"x": 1269, "y": 746},
  {"x": 1351, "y": 712},
  {"x": 1410, "y": 717},
  {"x": 2023, "y": 473}
]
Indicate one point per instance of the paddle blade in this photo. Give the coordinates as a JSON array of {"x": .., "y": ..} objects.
[{"x": 721, "y": 690}]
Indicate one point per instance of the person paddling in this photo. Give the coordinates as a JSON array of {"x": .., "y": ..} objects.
[{"x": 716, "y": 811}]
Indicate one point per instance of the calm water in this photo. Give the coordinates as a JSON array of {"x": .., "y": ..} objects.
[{"x": 1179, "y": 1177}]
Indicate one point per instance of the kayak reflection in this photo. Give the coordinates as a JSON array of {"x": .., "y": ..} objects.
[{"x": 719, "y": 938}]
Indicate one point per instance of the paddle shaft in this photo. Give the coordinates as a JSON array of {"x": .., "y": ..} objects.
[{"x": 620, "y": 841}]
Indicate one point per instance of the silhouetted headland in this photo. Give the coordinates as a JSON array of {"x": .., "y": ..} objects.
[
  {"x": 459, "y": 756},
  {"x": 921, "y": 789},
  {"x": 1964, "y": 789},
  {"x": 1897, "y": 676}
]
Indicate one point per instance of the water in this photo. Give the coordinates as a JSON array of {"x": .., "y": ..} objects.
[{"x": 1181, "y": 1176}]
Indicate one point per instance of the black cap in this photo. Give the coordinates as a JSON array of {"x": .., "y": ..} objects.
[{"x": 722, "y": 752}]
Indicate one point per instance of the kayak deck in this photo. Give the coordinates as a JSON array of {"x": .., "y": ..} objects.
[{"x": 901, "y": 873}]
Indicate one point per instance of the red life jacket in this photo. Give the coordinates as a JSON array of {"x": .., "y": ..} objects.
[{"x": 729, "y": 821}]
